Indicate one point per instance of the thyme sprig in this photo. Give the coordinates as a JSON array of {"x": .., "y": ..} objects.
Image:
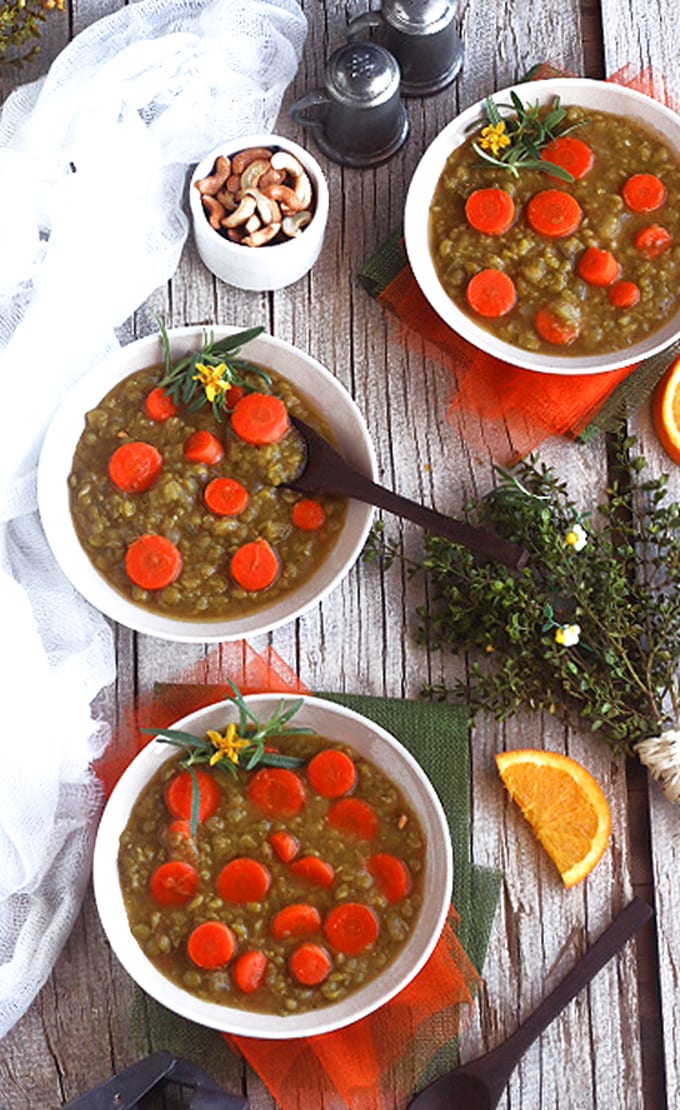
[
  {"x": 242, "y": 747},
  {"x": 590, "y": 629},
  {"x": 515, "y": 143},
  {"x": 206, "y": 376}
]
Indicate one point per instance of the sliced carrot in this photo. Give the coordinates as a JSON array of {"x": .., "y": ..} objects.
[
  {"x": 232, "y": 396},
  {"x": 296, "y": 920},
  {"x": 249, "y": 971},
  {"x": 653, "y": 240},
  {"x": 598, "y": 267},
  {"x": 179, "y": 830},
  {"x": 225, "y": 497},
  {"x": 173, "y": 883},
  {"x": 331, "y": 773},
  {"x": 203, "y": 447},
  {"x": 572, "y": 155},
  {"x": 352, "y": 815},
  {"x": 211, "y": 944},
  {"x": 310, "y": 964},
  {"x": 285, "y": 845},
  {"x": 491, "y": 293},
  {"x": 179, "y": 794},
  {"x": 623, "y": 294},
  {"x": 135, "y": 466},
  {"x": 554, "y": 328},
  {"x": 554, "y": 213},
  {"x": 351, "y": 927},
  {"x": 243, "y": 880},
  {"x": 260, "y": 418},
  {"x": 159, "y": 405},
  {"x": 643, "y": 192},
  {"x": 491, "y": 211},
  {"x": 314, "y": 870},
  {"x": 254, "y": 565},
  {"x": 309, "y": 515},
  {"x": 153, "y": 562},
  {"x": 391, "y": 874},
  {"x": 277, "y": 791}
]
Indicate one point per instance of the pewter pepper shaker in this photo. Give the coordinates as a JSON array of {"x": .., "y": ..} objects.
[{"x": 422, "y": 36}]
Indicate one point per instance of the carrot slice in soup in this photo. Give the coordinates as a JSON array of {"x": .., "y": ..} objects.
[
  {"x": 572, "y": 155},
  {"x": 391, "y": 874},
  {"x": 203, "y": 447},
  {"x": 173, "y": 883},
  {"x": 623, "y": 294},
  {"x": 285, "y": 845},
  {"x": 159, "y": 405},
  {"x": 598, "y": 267},
  {"x": 491, "y": 211},
  {"x": 153, "y": 562},
  {"x": 225, "y": 497},
  {"x": 249, "y": 971},
  {"x": 254, "y": 565},
  {"x": 554, "y": 328},
  {"x": 211, "y": 944},
  {"x": 352, "y": 815},
  {"x": 554, "y": 213},
  {"x": 277, "y": 791},
  {"x": 297, "y": 920},
  {"x": 644, "y": 192},
  {"x": 309, "y": 515},
  {"x": 135, "y": 466},
  {"x": 491, "y": 293},
  {"x": 260, "y": 418},
  {"x": 331, "y": 773},
  {"x": 351, "y": 927},
  {"x": 314, "y": 870},
  {"x": 310, "y": 964},
  {"x": 179, "y": 793},
  {"x": 243, "y": 880},
  {"x": 653, "y": 240}
]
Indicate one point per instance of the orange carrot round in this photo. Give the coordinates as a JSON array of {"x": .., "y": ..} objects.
[
  {"x": 159, "y": 405},
  {"x": 203, "y": 447},
  {"x": 653, "y": 240},
  {"x": 179, "y": 794},
  {"x": 254, "y": 565},
  {"x": 623, "y": 294},
  {"x": 331, "y": 773},
  {"x": 554, "y": 329},
  {"x": 285, "y": 845},
  {"x": 179, "y": 830},
  {"x": 391, "y": 874},
  {"x": 260, "y": 418},
  {"x": 572, "y": 155},
  {"x": 491, "y": 293},
  {"x": 276, "y": 791},
  {"x": 225, "y": 497},
  {"x": 153, "y": 562},
  {"x": 351, "y": 927},
  {"x": 644, "y": 192},
  {"x": 173, "y": 883},
  {"x": 554, "y": 213},
  {"x": 598, "y": 267},
  {"x": 299, "y": 919},
  {"x": 308, "y": 514},
  {"x": 354, "y": 816},
  {"x": 211, "y": 945},
  {"x": 135, "y": 466},
  {"x": 243, "y": 880},
  {"x": 310, "y": 964},
  {"x": 249, "y": 971},
  {"x": 491, "y": 211},
  {"x": 313, "y": 870}
]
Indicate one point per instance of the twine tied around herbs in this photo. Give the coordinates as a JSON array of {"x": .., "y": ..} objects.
[{"x": 661, "y": 756}]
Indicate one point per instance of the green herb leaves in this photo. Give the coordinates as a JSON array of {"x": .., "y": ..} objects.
[{"x": 515, "y": 143}]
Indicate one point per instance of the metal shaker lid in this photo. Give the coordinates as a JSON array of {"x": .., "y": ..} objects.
[
  {"x": 418, "y": 17},
  {"x": 360, "y": 74}
]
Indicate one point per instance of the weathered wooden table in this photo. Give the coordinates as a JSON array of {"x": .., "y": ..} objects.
[{"x": 618, "y": 1046}]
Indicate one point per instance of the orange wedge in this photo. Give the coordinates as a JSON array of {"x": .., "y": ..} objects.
[
  {"x": 666, "y": 411},
  {"x": 564, "y": 806}
]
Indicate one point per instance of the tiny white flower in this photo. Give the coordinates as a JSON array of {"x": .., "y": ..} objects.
[
  {"x": 568, "y": 634},
  {"x": 576, "y": 537},
  {"x": 661, "y": 754}
]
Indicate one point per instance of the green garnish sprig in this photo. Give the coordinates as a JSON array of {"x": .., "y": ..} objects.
[
  {"x": 515, "y": 143},
  {"x": 207, "y": 375}
]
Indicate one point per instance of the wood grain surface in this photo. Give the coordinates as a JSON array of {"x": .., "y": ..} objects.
[{"x": 617, "y": 1046}]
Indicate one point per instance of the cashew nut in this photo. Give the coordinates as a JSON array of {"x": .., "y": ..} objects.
[
  {"x": 252, "y": 173},
  {"x": 253, "y": 224},
  {"x": 216, "y": 211},
  {"x": 245, "y": 157},
  {"x": 271, "y": 177},
  {"x": 268, "y": 208},
  {"x": 244, "y": 211},
  {"x": 290, "y": 202},
  {"x": 212, "y": 184},
  {"x": 264, "y": 235},
  {"x": 293, "y": 225},
  {"x": 234, "y": 183},
  {"x": 227, "y": 199},
  {"x": 285, "y": 161}
]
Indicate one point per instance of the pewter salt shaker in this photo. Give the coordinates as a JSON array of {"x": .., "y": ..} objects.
[
  {"x": 359, "y": 118},
  {"x": 422, "y": 36}
]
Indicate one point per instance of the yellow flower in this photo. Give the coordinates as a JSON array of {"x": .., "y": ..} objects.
[
  {"x": 211, "y": 379},
  {"x": 568, "y": 635},
  {"x": 228, "y": 746},
  {"x": 576, "y": 537},
  {"x": 494, "y": 138}
]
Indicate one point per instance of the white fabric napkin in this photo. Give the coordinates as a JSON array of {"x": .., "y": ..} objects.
[{"x": 93, "y": 168}]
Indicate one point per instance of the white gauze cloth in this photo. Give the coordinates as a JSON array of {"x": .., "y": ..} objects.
[{"x": 94, "y": 160}]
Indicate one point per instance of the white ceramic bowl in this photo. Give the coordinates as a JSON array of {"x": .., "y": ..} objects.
[
  {"x": 266, "y": 267},
  {"x": 338, "y": 724},
  {"x": 601, "y": 95},
  {"x": 310, "y": 378}
]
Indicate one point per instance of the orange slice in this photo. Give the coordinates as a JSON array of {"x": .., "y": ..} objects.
[
  {"x": 666, "y": 411},
  {"x": 564, "y": 806}
]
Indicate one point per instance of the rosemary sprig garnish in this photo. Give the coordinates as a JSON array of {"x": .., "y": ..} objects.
[
  {"x": 206, "y": 376},
  {"x": 241, "y": 747},
  {"x": 515, "y": 143}
]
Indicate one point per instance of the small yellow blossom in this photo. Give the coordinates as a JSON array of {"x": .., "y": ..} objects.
[
  {"x": 494, "y": 138},
  {"x": 228, "y": 746},
  {"x": 568, "y": 635},
  {"x": 576, "y": 537},
  {"x": 211, "y": 379}
]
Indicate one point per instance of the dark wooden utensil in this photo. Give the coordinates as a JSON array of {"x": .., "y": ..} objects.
[
  {"x": 325, "y": 471},
  {"x": 480, "y": 1084}
]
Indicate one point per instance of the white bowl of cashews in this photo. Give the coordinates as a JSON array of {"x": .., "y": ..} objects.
[{"x": 259, "y": 206}]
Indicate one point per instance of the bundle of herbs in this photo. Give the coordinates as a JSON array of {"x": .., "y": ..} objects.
[{"x": 589, "y": 630}]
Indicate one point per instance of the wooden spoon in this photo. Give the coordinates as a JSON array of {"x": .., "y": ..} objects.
[
  {"x": 480, "y": 1084},
  {"x": 325, "y": 471}
]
